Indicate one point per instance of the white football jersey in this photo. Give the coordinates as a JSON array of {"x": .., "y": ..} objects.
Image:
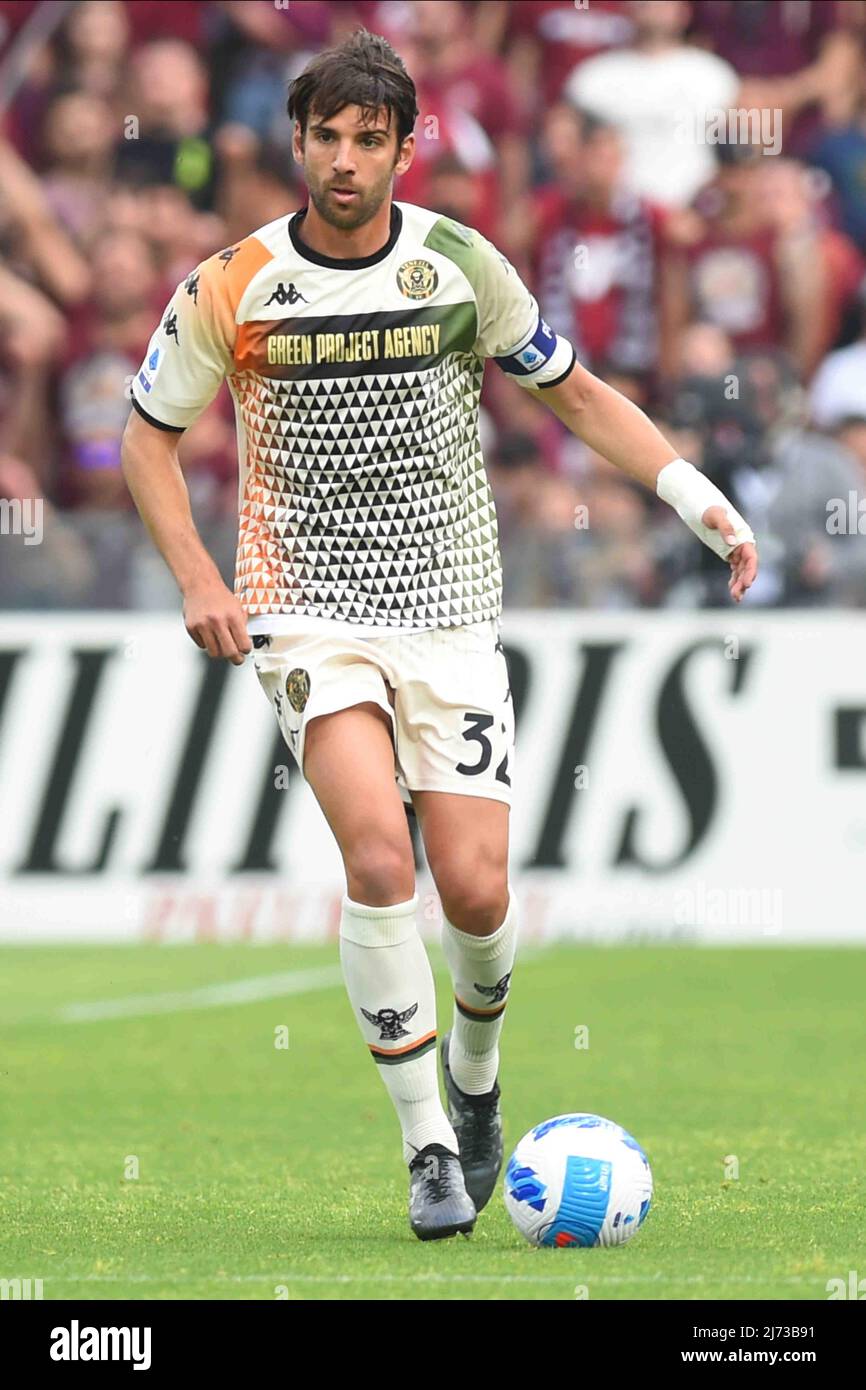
[{"x": 362, "y": 491}]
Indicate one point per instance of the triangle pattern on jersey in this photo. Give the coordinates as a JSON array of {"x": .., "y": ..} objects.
[{"x": 366, "y": 499}]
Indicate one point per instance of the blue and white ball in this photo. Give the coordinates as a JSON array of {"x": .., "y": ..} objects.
[{"x": 578, "y": 1180}]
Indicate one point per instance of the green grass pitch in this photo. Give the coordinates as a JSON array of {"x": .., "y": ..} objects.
[{"x": 268, "y": 1171}]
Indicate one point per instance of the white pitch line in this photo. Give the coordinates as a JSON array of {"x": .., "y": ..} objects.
[
  {"x": 206, "y": 997},
  {"x": 432, "y": 1278}
]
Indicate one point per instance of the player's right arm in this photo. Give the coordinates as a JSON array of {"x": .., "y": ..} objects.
[
  {"x": 214, "y": 619},
  {"x": 186, "y": 360}
]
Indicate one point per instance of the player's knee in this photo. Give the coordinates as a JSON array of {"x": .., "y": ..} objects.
[
  {"x": 380, "y": 870},
  {"x": 474, "y": 896}
]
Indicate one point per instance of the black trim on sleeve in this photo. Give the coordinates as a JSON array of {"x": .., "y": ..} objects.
[
  {"x": 543, "y": 385},
  {"x": 172, "y": 429}
]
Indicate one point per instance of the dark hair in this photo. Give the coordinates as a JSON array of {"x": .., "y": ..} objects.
[{"x": 363, "y": 71}]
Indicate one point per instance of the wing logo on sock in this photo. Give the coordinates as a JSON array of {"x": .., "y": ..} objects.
[
  {"x": 391, "y": 1021},
  {"x": 495, "y": 993}
]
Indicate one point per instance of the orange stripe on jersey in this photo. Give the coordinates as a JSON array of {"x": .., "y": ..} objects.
[
  {"x": 251, "y": 347},
  {"x": 410, "y": 1047},
  {"x": 226, "y": 276}
]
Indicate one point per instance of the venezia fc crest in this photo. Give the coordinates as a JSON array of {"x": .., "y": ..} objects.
[
  {"x": 417, "y": 279},
  {"x": 298, "y": 688}
]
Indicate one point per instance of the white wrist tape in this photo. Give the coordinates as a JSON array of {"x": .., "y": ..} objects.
[{"x": 685, "y": 489}]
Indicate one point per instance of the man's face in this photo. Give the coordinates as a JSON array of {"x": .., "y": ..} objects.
[
  {"x": 660, "y": 19},
  {"x": 349, "y": 166}
]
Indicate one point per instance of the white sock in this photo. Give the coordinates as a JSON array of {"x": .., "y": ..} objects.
[
  {"x": 481, "y": 973},
  {"x": 390, "y": 985}
]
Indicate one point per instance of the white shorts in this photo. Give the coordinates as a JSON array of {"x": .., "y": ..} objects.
[{"x": 446, "y": 693}]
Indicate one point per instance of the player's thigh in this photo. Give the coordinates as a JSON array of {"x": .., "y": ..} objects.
[
  {"x": 455, "y": 746},
  {"x": 349, "y": 764}
]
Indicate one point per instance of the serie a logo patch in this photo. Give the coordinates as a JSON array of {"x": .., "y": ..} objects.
[
  {"x": 298, "y": 688},
  {"x": 417, "y": 279}
]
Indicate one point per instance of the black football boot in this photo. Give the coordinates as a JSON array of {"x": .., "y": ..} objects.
[
  {"x": 439, "y": 1204},
  {"x": 477, "y": 1123}
]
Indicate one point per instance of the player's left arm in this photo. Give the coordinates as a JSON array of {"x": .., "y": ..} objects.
[{"x": 618, "y": 430}]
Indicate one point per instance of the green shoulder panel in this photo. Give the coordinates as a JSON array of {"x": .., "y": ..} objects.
[{"x": 455, "y": 241}]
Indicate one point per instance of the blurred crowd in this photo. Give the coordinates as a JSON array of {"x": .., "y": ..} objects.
[{"x": 711, "y": 268}]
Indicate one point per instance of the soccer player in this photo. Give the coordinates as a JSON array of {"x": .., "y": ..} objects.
[{"x": 353, "y": 336}]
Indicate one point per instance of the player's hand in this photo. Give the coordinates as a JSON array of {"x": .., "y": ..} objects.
[
  {"x": 216, "y": 622},
  {"x": 743, "y": 561}
]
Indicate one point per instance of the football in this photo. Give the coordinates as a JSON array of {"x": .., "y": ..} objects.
[{"x": 578, "y": 1180}]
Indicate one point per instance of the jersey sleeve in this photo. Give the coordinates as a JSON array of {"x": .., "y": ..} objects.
[
  {"x": 188, "y": 355},
  {"x": 510, "y": 327}
]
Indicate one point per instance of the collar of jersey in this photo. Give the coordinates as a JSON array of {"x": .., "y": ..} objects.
[{"x": 348, "y": 262}]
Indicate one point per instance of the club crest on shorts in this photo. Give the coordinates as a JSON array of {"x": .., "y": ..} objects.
[
  {"x": 298, "y": 688},
  {"x": 391, "y": 1021},
  {"x": 417, "y": 279}
]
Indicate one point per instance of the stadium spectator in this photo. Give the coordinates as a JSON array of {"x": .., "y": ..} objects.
[
  {"x": 794, "y": 201},
  {"x": 109, "y": 339},
  {"x": 594, "y": 248},
  {"x": 815, "y": 46},
  {"x": 838, "y": 390},
  {"x": 754, "y": 259},
  {"x": 79, "y": 147},
  {"x": 467, "y": 99},
  {"x": 566, "y": 542},
  {"x": 806, "y": 470},
  {"x": 58, "y": 572},
  {"x": 167, "y": 139},
  {"x": 259, "y": 48},
  {"x": 839, "y": 148},
  {"x": 548, "y": 39},
  {"x": 94, "y": 46},
  {"x": 31, "y": 236},
  {"x": 751, "y": 272},
  {"x": 663, "y": 91},
  {"x": 32, "y": 335}
]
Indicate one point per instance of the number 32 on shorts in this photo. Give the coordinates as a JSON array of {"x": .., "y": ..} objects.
[{"x": 476, "y": 729}]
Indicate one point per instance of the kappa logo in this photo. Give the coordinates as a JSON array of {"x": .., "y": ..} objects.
[
  {"x": 390, "y": 1021},
  {"x": 495, "y": 993},
  {"x": 417, "y": 279},
  {"x": 190, "y": 284},
  {"x": 169, "y": 325},
  {"x": 77, "y": 1343},
  {"x": 283, "y": 296},
  {"x": 228, "y": 255}
]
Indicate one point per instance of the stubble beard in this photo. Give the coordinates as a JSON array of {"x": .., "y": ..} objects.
[{"x": 359, "y": 212}]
